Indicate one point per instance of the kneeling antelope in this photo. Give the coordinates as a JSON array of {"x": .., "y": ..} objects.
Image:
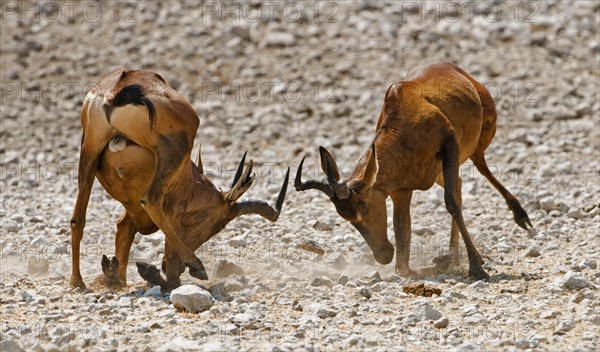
[
  {"x": 431, "y": 123},
  {"x": 137, "y": 140}
]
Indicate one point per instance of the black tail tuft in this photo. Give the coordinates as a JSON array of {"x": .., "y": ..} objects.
[{"x": 133, "y": 94}]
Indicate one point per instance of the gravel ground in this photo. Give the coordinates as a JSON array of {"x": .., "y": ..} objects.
[{"x": 278, "y": 80}]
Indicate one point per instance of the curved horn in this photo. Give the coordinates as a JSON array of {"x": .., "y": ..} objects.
[
  {"x": 241, "y": 182},
  {"x": 240, "y": 168},
  {"x": 312, "y": 184},
  {"x": 262, "y": 208}
]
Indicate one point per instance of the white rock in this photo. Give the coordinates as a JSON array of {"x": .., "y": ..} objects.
[
  {"x": 326, "y": 312},
  {"x": 441, "y": 323},
  {"x": 549, "y": 314},
  {"x": 322, "y": 281},
  {"x": 280, "y": 39},
  {"x": 564, "y": 326},
  {"x": 324, "y": 225},
  {"x": 214, "y": 346},
  {"x": 225, "y": 268},
  {"x": 243, "y": 319},
  {"x": 232, "y": 284},
  {"x": 179, "y": 344},
  {"x": 241, "y": 31},
  {"x": 365, "y": 292},
  {"x": 191, "y": 298},
  {"x": 10, "y": 226},
  {"x": 431, "y": 313},
  {"x": 479, "y": 284},
  {"x": 10, "y": 346},
  {"x": 154, "y": 291},
  {"x": 238, "y": 241},
  {"x": 342, "y": 280},
  {"x": 125, "y": 302},
  {"x": 352, "y": 340},
  {"x": 575, "y": 214},
  {"x": 571, "y": 281},
  {"x": 532, "y": 251},
  {"x": 589, "y": 263}
]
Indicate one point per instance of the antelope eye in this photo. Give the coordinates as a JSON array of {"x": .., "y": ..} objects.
[
  {"x": 362, "y": 206},
  {"x": 345, "y": 208}
]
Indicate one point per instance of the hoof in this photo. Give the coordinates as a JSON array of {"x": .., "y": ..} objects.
[
  {"x": 477, "y": 273},
  {"x": 77, "y": 282},
  {"x": 406, "y": 272},
  {"x": 445, "y": 262},
  {"x": 198, "y": 273},
  {"x": 149, "y": 273},
  {"x": 110, "y": 267}
]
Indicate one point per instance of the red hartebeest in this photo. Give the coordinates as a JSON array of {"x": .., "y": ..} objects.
[
  {"x": 137, "y": 140},
  {"x": 431, "y": 122}
]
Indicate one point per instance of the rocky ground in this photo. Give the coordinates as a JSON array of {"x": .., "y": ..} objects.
[{"x": 279, "y": 79}]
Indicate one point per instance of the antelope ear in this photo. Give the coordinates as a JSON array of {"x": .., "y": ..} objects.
[
  {"x": 370, "y": 173},
  {"x": 329, "y": 165}
]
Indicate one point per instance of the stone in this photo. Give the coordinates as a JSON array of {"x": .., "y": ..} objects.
[
  {"x": 225, "y": 268},
  {"x": 431, "y": 313},
  {"x": 479, "y": 284},
  {"x": 279, "y": 39},
  {"x": 575, "y": 214},
  {"x": 232, "y": 284},
  {"x": 10, "y": 226},
  {"x": 214, "y": 346},
  {"x": 589, "y": 263},
  {"x": 154, "y": 291},
  {"x": 325, "y": 312},
  {"x": 243, "y": 319},
  {"x": 571, "y": 281},
  {"x": 191, "y": 298},
  {"x": 352, "y": 340},
  {"x": 179, "y": 344},
  {"x": 322, "y": 281},
  {"x": 441, "y": 323},
  {"x": 365, "y": 292},
  {"x": 532, "y": 251},
  {"x": 549, "y": 314},
  {"x": 238, "y": 241},
  {"x": 241, "y": 31},
  {"x": 125, "y": 302},
  {"x": 10, "y": 346},
  {"x": 564, "y": 326},
  {"x": 324, "y": 225}
]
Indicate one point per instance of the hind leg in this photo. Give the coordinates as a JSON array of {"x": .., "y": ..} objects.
[
  {"x": 89, "y": 157},
  {"x": 478, "y": 158},
  {"x": 450, "y": 165},
  {"x": 520, "y": 215},
  {"x": 115, "y": 270},
  {"x": 450, "y": 260}
]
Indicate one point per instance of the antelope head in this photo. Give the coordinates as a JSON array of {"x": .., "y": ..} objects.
[
  {"x": 356, "y": 199},
  {"x": 223, "y": 207}
]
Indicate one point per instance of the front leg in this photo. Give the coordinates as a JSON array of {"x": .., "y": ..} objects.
[
  {"x": 402, "y": 231},
  {"x": 172, "y": 266},
  {"x": 171, "y": 153}
]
